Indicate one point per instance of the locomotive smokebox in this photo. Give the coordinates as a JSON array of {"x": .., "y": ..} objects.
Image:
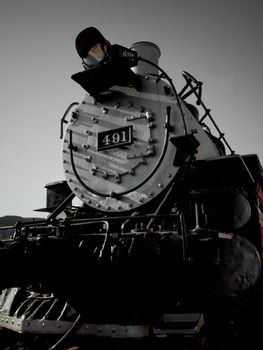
[{"x": 148, "y": 51}]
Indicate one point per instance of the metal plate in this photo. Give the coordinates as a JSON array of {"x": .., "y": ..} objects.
[{"x": 114, "y": 138}]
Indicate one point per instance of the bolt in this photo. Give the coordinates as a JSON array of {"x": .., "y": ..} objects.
[
  {"x": 149, "y": 115},
  {"x": 150, "y": 125},
  {"x": 74, "y": 115}
]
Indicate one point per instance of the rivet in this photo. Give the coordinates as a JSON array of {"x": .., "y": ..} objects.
[
  {"x": 85, "y": 146},
  {"x": 88, "y": 158},
  {"x": 95, "y": 120},
  {"x": 105, "y": 110},
  {"x": 160, "y": 185}
]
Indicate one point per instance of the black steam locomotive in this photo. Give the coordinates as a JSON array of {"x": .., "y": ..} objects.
[{"x": 156, "y": 216}]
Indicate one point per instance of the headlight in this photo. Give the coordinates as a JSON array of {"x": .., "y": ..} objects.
[
  {"x": 96, "y": 54},
  {"x": 91, "y": 46}
]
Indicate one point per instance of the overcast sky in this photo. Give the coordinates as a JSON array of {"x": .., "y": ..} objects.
[{"x": 219, "y": 42}]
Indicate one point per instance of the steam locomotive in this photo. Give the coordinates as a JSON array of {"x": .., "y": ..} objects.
[{"x": 156, "y": 217}]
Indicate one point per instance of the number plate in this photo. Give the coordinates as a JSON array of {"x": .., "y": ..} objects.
[{"x": 114, "y": 138}]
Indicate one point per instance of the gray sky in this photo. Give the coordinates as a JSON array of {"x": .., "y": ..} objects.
[{"x": 219, "y": 42}]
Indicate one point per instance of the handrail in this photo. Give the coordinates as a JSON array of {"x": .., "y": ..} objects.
[{"x": 197, "y": 91}]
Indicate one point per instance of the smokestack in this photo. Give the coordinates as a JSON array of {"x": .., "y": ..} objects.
[{"x": 150, "y": 52}]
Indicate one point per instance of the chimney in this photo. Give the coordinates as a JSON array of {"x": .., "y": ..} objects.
[{"x": 150, "y": 52}]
